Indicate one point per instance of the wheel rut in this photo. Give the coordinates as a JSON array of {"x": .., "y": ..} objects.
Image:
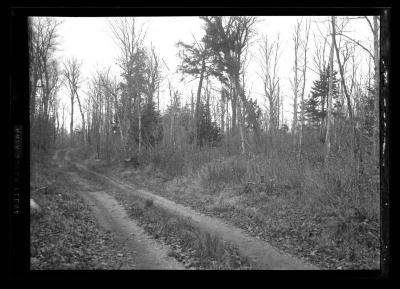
[
  {"x": 143, "y": 252},
  {"x": 261, "y": 254}
]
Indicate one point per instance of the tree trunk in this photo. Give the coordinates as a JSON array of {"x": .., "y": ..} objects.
[
  {"x": 271, "y": 115},
  {"x": 234, "y": 109},
  {"x": 62, "y": 125},
  {"x": 158, "y": 97},
  {"x": 172, "y": 117},
  {"x": 99, "y": 124},
  {"x": 33, "y": 90},
  {"x": 88, "y": 129},
  {"x": 207, "y": 108},
  {"x": 329, "y": 106},
  {"x": 278, "y": 108},
  {"x": 82, "y": 116},
  {"x": 241, "y": 102},
  {"x": 45, "y": 119},
  {"x": 222, "y": 112},
  {"x": 71, "y": 126},
  {"x": 227, "y": 116},
  {"x": 108, "y": 121},
  {"x": 349, "y": 106},
  {"x": 140, "y": 124},
  {"x": 57, "y": 130},
  {"x": 301, "y": 126},
  {"x": 356, "y": 140},
  {"x": 192, "y": 116},
  {"x": 241, "y": 127},
  {"x": 197, "y": 117},
  {"x": 294, "y": 123},
  {"x": 304, "y": 72},
  {"x": 376, "y": 83}
]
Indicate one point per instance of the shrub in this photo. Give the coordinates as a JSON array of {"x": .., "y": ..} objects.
[
  {"x": 148, "y": 203},
  {"x": 230, "y": 171},
  {"x": 168, "y": 160}
]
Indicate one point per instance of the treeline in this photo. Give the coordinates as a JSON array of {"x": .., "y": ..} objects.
[
  {"x": 120, "y": 116},
  {"x": 44, "y": 83}
]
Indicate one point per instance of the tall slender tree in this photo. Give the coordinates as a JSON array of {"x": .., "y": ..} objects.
[
  {"x": 269, "y": 53},
  {"x": 129, "y": 39},
  {"x": 330, "y": 92},
  {"x": 72, "y": 74},
  {"x": 228, "y": 38}
]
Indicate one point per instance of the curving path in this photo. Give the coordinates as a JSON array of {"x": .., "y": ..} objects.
[
  {"x": 142, "y": 252},
  {"x": 261, "y": 254}
]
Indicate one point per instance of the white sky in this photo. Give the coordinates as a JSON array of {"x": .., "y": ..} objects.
[{"x": 89, "y": 39}]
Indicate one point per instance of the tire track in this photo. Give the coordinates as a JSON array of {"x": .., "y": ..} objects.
[
  {"x": 142, "y": 251},
  {"x": 260, "y": 253}
]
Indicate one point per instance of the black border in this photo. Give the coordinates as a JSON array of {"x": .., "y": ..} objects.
[{"x": 18, "y": 263}]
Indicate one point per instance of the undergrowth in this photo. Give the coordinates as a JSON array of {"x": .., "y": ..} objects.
[
  {"x": 65, "y": 236},
  {"x": 331, "y": 211}
]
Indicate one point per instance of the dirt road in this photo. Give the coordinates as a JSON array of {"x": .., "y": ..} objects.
[
  {"x": 260, "y": 253},
  {"x": 143, "y": 252}
]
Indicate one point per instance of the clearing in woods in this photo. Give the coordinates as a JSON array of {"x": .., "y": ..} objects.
[
  {"x": 143, "y": 251},
  {"x": 110, "y": 213}
]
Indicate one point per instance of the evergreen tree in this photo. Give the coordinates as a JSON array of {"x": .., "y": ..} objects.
[
  {"x": 151, "y": 125},
  {"x": 143, "y": 88},
  {"x": 315, "y": 105},
  {"x": 253, "y": 115},
  {"x": 368, "y": 105},
  {"x": 209, "y": 132}
]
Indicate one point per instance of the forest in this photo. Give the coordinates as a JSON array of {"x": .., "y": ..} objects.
[{"x": 309, "y": 186}]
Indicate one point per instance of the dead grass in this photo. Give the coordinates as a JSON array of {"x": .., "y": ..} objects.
[
  {"x": 336, "y": 217},
  {"x": 190, "y": 245},
  {"x": 327, "y": 214},
  {"x": 66, "y": 235},
  {"x": 311, "y": 210}
]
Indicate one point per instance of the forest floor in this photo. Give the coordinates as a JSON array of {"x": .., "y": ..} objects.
[
  {"x": 193, "y": 236},
  {"x": 279, "y": 219},
  {"x": 119, "y": 217},
  {"x": 82, "y": 227}
]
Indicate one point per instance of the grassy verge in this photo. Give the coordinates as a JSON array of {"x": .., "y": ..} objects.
[
  {"x": 195, "y": 248},
  {"x": 304, "y": 209},
  {"x": 190, "y": 245},
  {"x": 326, "y": 214},
  {"x": 65, "y": 235}
]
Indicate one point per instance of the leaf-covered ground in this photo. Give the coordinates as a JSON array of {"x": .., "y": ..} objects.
[
  {"x": 193, "y": 247},
  {"x": 65, "y": 235},
  {"x": 333, "y": 238},
  {"x": 188, "y": 244},
  {"x": 282, "y": 218}
]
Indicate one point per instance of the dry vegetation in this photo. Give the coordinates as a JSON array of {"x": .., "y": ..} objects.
[
  {"x": 189, "y": 244},
  {"x": 312, "y": 191},
  {"x": 66, "y": 236},
  {"x": 303, "y": 208}
]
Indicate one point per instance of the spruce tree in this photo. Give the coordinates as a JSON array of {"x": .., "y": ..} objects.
[
  {"x": 209, "y": 132},
  {"x": 315, "y": 105}
]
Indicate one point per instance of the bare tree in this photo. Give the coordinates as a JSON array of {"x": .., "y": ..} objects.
[
  {"x": 72, "y": 74},
  {"x": 269, "y": 57},
  {"x": 129, "y": 40},
  {"x": 44, "y": 80},
  {"x": 63, "y": 124},
  {"x": 296, "y": 81},
  {"x": 174, "y": 105},
  {"x": 228, "y": 38},
  {"x": 341, "y": 70},
  {"x": 304, "y": 46},
  {"x": 114, "y": 111},
  {"x": 375, "y": 32},
  {"x": 194, "y": 62},
  {"x": 330, "y": 91},
  {"x": 42, "y": 44}
]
